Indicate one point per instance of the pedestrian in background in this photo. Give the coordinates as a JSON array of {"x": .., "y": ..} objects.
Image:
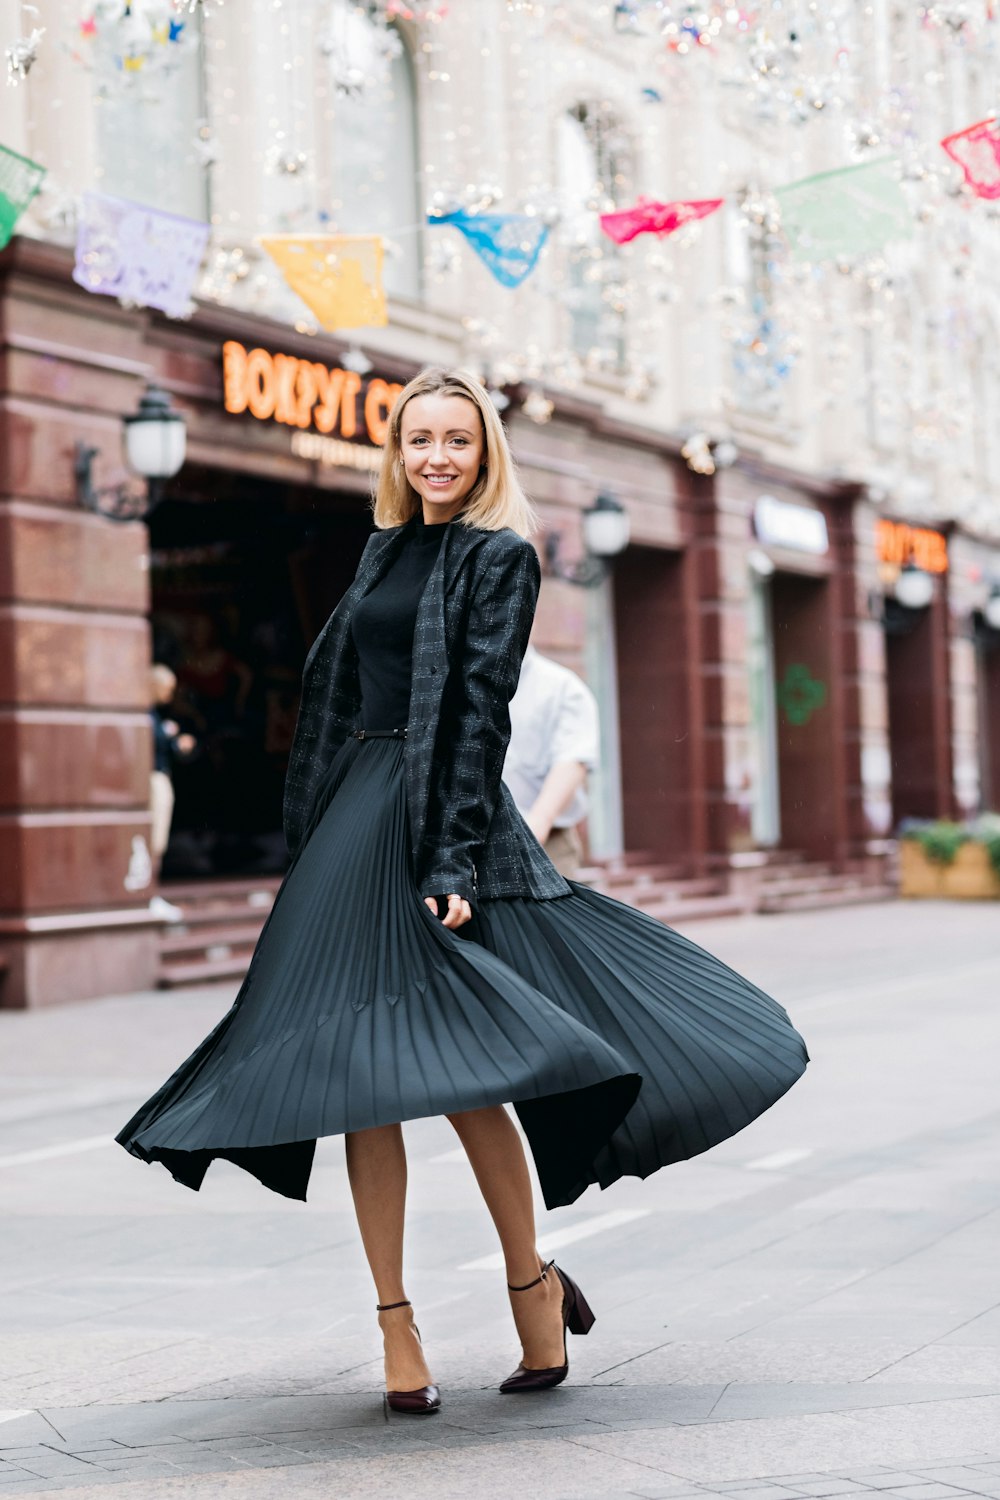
[
  {"x": 554, "y": 743},
  {"x": 622, "y": 1045},
  {"x": 169, "y": 741}
]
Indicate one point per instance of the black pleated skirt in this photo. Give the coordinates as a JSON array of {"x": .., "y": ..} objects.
[{"x": 621, "y": 1045}]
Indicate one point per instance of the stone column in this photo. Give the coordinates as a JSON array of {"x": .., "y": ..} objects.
[{"x": 75, "y": 742}]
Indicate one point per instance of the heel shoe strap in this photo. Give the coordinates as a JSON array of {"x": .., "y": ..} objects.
[
  {"x": 388, "y": 1306},
  {"x": 528, "y": 1285}
]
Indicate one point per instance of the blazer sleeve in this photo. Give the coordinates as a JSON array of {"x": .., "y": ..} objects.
[{"x": 467, "y": 783}]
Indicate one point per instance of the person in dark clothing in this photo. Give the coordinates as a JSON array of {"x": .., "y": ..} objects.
[
  {"x": 424, "y": 957},
  {"x": 169, "y": 742}
]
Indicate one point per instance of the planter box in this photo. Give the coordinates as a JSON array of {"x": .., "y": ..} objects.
[{"x": 969, "y": 877}]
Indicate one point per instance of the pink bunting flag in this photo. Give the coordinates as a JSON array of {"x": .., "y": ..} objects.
[
  {"x": 977, "y": 151},
  {"x": 649, "y": 217}
]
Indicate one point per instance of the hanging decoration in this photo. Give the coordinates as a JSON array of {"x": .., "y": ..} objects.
[
  {"x": 140, "y": 255},
  {"x": 20, "y": 180},
  {"x": 125, "y": 38},
  {"x": 508, "y": 244},
  {"x": 337, "y": 276},
  {"x": 648, "y": 216},
  {"x": 22, "y": 54},
  {"x": 976, "y": 149},
  {"x": 846, "y": 213}
]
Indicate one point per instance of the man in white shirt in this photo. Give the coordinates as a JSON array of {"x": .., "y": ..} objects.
[{"x": 554, "y": 742}]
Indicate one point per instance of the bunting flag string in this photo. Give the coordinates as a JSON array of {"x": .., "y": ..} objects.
[
  {"x": 138, "y": 254},
  {"x": 976, "y": 149},
  {"x": 848, "y": 212},
  {"x": 20, "y": 180},
  {"x": 647, "y": 216},
  {"x": 337, "y": 276},
  {"x": 508, "y": 244}
]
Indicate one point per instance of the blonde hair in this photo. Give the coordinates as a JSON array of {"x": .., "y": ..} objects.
[{"x": 495, "y": 500}]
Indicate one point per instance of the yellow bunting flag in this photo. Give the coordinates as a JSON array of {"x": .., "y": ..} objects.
[{"x": 338, "y": 276}]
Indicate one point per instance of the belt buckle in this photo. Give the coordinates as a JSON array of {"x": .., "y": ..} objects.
[{"x": 359, "y": 734}]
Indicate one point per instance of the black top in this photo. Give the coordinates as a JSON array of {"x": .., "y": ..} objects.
[{"x": 382, "y": 629}]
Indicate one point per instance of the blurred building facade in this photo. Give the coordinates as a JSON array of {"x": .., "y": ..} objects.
[{"x": 784, "y": 440}]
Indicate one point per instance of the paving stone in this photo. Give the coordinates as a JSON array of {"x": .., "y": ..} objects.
[
  {"x": 929, "y": 1491},
  {"x": 963, "y": 1475},
  {"x": 888, "y": 1479},
  {"x": 820, "y": 1487}
]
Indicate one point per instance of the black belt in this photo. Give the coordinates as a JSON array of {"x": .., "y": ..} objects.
[{"x": 379, "y": 734}]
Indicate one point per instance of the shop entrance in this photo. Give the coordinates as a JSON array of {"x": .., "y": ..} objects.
[
  {"x": 244, "y": 573},
  {"x": 809, "y": 790},
  {"x": 654, "y": 655},
  {"x": 916, "y": 661}
]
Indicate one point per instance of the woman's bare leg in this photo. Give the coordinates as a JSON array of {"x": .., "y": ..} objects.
[
  {"x": 494, "y": 1149},
  {"x": 376, "y": 1167}
]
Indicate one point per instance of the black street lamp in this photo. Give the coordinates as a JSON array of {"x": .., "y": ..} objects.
[
  {"x": 605, "y": 534},
  {"x": 155, "y": 440}
]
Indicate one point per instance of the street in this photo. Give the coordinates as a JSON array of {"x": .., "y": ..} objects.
[{"x": 812, "y": 1309}]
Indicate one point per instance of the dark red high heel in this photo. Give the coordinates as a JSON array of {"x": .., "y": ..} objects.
[
  {"x": 418, "y": 1403},
  {"x": 577, "y": 1317}
]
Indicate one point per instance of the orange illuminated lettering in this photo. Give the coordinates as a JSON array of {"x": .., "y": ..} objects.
[
  {"x": 234, "y": 376},
  {"x": 897, "y": 544},
  {"x": 329, "y": 384},
  {"x": 304, "y": 393},
  {"x": 379, "y": 399},
  {"x": 260, "y": 384},
  {"x": 349, "y": 404}
]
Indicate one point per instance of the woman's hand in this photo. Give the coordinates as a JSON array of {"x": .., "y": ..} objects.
[{"x": 459, "y": 911}]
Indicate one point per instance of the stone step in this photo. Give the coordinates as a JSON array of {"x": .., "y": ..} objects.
[
  {"x": 249, "y": 914},
  {"x": 845, "y": 895},
  {"x": 207, "y": 971},
  {"x": 675, "y": 913},
  {"x": 205, "y": 892},
  {"x": 177, "y": 940}
]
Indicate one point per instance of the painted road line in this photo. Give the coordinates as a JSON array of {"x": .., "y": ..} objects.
[
  {"x": 48, "y": 1153},
  {"x": 779, "y": 1159},
  {"x": 556, "y": 1238},
  {"x": 457, "y": 1155}
]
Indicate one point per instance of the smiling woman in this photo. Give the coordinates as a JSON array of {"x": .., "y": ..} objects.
[{"x": 424, "y": 957}]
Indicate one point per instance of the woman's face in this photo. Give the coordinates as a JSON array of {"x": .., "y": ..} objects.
[{"x": 441, "y": 443}]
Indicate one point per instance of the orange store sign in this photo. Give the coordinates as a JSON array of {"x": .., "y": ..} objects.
[
  {"x": 303, "y": 393},
  {"x": 897, "y": 544}
]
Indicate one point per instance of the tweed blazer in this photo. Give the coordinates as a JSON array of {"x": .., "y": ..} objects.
[{"x": 471, "y": 632}]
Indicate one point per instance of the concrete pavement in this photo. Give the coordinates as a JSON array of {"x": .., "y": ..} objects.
[{"x": 812, "y": 1309}]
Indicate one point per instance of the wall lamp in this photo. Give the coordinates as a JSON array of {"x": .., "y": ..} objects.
[
  {"x": 155, "y": 440},
  {"x": 605, "y": 526},
  {"x": 899, "y": 609}
]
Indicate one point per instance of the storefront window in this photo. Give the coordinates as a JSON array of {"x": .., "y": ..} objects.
[
  {"x": 376, "y": 170},
  {"x": 151, "y": 118},
  {"x": 593, "y": 178}
]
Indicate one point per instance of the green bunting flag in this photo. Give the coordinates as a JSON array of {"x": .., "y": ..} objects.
[
  {"x": 849, "y": 212},
  {"x": 20, "y": 180}
]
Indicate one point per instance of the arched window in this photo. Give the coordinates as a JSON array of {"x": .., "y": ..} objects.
[
  {"x": 375, "y": 160},
  {"x": 150, "y": 101},
  {"x": 594, "y": 176}
]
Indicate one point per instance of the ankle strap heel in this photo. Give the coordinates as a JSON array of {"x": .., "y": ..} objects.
[
  {"x": 544, "y": 1276},
  {"x": 388, "y": 1306}
]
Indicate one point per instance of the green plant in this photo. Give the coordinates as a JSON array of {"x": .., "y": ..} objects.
[
  {"x": 940, "y": 841},
  {"x": 991, "y": 843}
]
